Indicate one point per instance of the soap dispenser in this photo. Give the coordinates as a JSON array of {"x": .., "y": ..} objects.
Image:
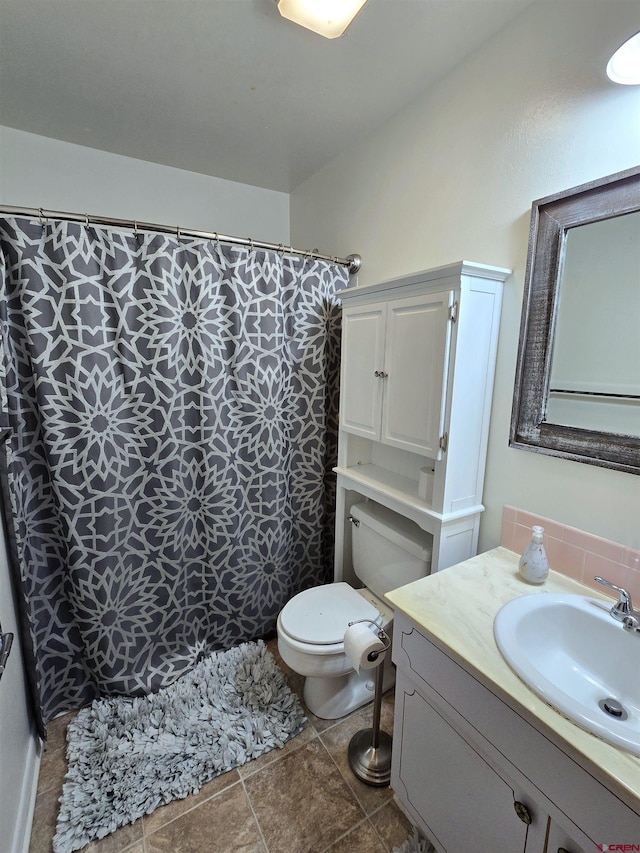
[{"x": 534, "y": 566}]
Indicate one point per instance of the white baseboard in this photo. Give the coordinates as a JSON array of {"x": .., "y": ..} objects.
[{"x": 24, "y": 817}]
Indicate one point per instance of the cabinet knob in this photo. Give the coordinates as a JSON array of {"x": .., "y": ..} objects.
[{"x": 523, "y": 812}]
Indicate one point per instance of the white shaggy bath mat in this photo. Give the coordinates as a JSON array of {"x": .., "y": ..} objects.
[
  {"x": 126, "y": 757},
  {"x": 415, "y": 843}
]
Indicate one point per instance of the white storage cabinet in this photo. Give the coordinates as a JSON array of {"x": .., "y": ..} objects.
[{"x": 418, "y": 361}]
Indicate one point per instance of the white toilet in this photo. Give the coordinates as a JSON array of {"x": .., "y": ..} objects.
[{"x": 388, "y": 551}]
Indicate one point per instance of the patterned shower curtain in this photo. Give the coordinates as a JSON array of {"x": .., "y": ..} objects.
[{"x": 173, "y": 412}]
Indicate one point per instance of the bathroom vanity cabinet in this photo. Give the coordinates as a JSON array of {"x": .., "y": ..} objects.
[
  {"x": 474, "y": 768},
  {"x": 418, "y": 360}
]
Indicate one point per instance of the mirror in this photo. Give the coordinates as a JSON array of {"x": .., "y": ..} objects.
[
  {"x": 577, "y": 391},
  {"x": 595, "y": 368}
]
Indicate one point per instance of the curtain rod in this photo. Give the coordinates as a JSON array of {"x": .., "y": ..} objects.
[{"x": 352, "y": 262}]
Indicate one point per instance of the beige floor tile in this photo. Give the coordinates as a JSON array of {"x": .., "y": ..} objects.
[
  {"x": 119, "y": 841},
  {"x": 251, "y": 767},
  {"x": 302, "y": 803},
  {"x": 336, "y": 740},
  {"x": 57, "y": 731},
  {"x": 53, "y": 768},
  {"x": 318, "y": 723},
  {"x": 362, "y": 839},
  {"x": 172, "y": 810},
  {"x": 391, "y": 825},
  {"x": 222, "y": 824},
  {"x": 389, "y": 700},
  {"x": 44, "y": 821}
]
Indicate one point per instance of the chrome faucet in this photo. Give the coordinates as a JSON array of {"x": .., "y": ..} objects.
[{"x": 622, "y": 610}]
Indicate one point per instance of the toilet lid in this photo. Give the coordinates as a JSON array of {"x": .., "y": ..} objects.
[{"x": 321, "y": 615}]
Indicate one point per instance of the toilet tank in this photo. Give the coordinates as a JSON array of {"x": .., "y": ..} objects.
[{"x": 387, "y": 550}]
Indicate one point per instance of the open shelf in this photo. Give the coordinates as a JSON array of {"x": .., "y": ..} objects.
[
  {"x": 396, "y": 485},
  {"x": 397, "y": 488}
]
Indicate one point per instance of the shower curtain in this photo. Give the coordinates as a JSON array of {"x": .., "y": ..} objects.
[{"x": 172, "y": 405}]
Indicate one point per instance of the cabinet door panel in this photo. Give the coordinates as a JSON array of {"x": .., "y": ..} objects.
[
  {"x": 363, "y": 354},
  {"x": 559, "y": 840},
  {"x": 416, "y": 356},
  {"x": 465, "y": 805}
]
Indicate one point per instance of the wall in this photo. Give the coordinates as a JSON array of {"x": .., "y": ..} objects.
[
  {"x": 19, "y": 746},
  {"x": 575, "y": 553},
  {"x": 453, "y": 176},
  {"x": 39, "y": 172}
]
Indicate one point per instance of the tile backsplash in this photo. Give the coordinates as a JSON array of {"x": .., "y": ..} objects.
[{"x": 573, "y": 552}]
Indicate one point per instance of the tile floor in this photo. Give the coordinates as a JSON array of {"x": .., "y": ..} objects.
[{"x": 301, "y": 799}]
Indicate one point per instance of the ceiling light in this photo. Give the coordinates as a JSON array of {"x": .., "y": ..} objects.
[
  {"x": 329, "y": 18},
  {"x": 624, "y": 65}
]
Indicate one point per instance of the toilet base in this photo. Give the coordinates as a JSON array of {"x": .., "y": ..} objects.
[{"x": 337, "y": 696}]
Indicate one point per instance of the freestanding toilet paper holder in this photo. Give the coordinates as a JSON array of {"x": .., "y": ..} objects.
[{"x": 370, "y": 749}]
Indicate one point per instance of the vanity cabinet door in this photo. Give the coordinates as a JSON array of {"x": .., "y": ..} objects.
[
  {"x": 559, "y": 842},
  {"x": 363, "y": 336},
  {"x": 461, "y": 803}
]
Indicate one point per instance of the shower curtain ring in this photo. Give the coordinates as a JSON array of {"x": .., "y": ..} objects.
[
  {"x": 281, "y": 250},
  {"x": 86, "y": 220},
  {"x": 178, "y": 232},
  {"x": 42, "y": 216}
]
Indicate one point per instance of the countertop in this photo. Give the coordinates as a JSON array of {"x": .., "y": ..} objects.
[{"x": 474, "y": 591}]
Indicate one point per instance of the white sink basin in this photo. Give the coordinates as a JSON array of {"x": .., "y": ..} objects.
[{"x": 571, "y": 652}]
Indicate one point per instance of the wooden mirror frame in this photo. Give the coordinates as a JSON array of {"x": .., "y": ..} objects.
[{"x": 551, "y": 217}]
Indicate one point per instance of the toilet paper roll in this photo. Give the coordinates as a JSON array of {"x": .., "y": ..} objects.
[{"x": 361, "y": 646}]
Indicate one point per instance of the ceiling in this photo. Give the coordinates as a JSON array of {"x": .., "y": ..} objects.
[{"x": 225, "y": 87}]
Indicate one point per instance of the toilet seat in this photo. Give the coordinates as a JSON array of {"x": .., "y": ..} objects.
[
  {"x": 316, "y": 619},
  {"x": 321, "y": 616}
]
